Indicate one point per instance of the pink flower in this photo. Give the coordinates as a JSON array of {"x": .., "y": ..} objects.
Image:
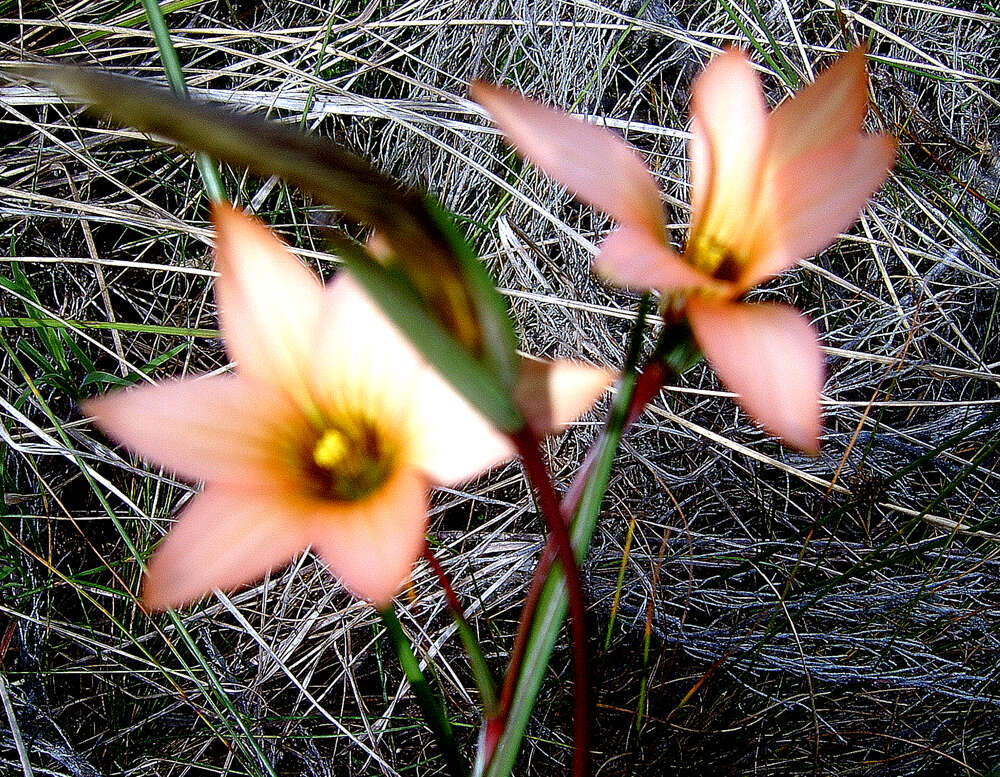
[
  {"x": 330, "y": 433},
  {"x": 768, "y": 189}
]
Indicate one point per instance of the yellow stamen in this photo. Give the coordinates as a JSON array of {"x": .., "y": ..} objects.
[
  {"x": 714, "y": 256},
  {"x": 349, "y": 459},
  {"x": 706, "y": 253},
  {"x": 330, "y": 450}
]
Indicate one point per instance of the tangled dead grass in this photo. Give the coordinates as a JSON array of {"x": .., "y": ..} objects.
[{"x": 836, "y": 615}]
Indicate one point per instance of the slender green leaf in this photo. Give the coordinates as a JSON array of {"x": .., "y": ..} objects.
[
  {"x": 446, "y": 275},
  {"x": 481, "y": 673},
  {"x": 21, "y": 285}
]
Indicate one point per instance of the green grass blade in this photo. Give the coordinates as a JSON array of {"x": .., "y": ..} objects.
[
  {"x": 210, "y": 177},
  {"x": 430, "y": 705}
]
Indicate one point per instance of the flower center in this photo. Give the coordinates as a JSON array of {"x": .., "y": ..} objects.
[
  {"x": 330, "y": 450},
  {"x": 348, "y": 460},
  {"x": 713, "y": 257}
]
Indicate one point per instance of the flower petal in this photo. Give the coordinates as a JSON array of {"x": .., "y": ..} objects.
[
  {"x": 827, "y": 110},
  {"x": 634, "y": 258},
  {"x": 553, "y": 393},
  {"x": 729, "y": 124},
  {"x": 768, "y": 354},
  {"x": 814, "y": 198},
  {"x": 223, "y": 539},
  {"x": 451, "y": 442},
  {"x": 358, "y": 351},
  {"x": 371, "y": 545},
  {"x": 217, "y": 428},
  {"x": 269, "y": 303},
  {"x": 362, "y": 360},
  {"x": 595, "y": 164}
]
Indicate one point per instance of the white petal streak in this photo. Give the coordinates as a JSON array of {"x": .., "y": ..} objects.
[{"x": 730, "y": 127}]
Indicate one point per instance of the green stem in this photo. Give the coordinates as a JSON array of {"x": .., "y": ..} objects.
[
  {"x": 553, "y": 602},
  {"x": 570, "y": 502},
  {"x": 430, "y": 706},
  {"x": 210, "y": 177},
  {"x": 551, "y": 510},
  {"x": 477, "y": 661},
  {"x": 674, "y": 352}
]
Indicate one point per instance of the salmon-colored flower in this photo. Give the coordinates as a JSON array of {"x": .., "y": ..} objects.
[
  {"x": 768, "y": 189},
  {"x": 330, "y": 432}
]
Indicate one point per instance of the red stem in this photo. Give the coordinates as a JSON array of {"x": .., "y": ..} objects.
[
  {"x": 548, "y": 502},
  {"x": 444, "y": 581},
  {"x": 648, "y": 384},
  {"x": 521, "y": 638}
]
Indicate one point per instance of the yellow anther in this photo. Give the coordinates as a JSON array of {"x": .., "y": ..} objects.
[
  {"x": 331, "y": 449},
  {"x": 707, "y": 253}
]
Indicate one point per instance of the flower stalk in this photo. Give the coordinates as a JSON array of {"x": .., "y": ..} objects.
[
  {"x": 553, "y": 597},
  {"x": 477, "y": 661},
  {"x": 548, "y": 504},
  {"x": 430, "y": 704},
  {"x": 545, "y": 605}
]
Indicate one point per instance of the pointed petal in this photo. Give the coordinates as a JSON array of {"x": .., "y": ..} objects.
[
  {"x": 216, "y": 428},
  {"x": 223, "y": 539},
  {"x": 814, "y": 198},
  {"x": 636, "y": 259},
  {"x": 730, "y": 135},
  {"x": 269, "y": 303},
  {"x": 827, "y": 110},
  {"x": 595, "y": 164},
  {"x": 371, "y": 545},
  {"x": 553, "y": 393},
  {"x": 767, "y": 354}
]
